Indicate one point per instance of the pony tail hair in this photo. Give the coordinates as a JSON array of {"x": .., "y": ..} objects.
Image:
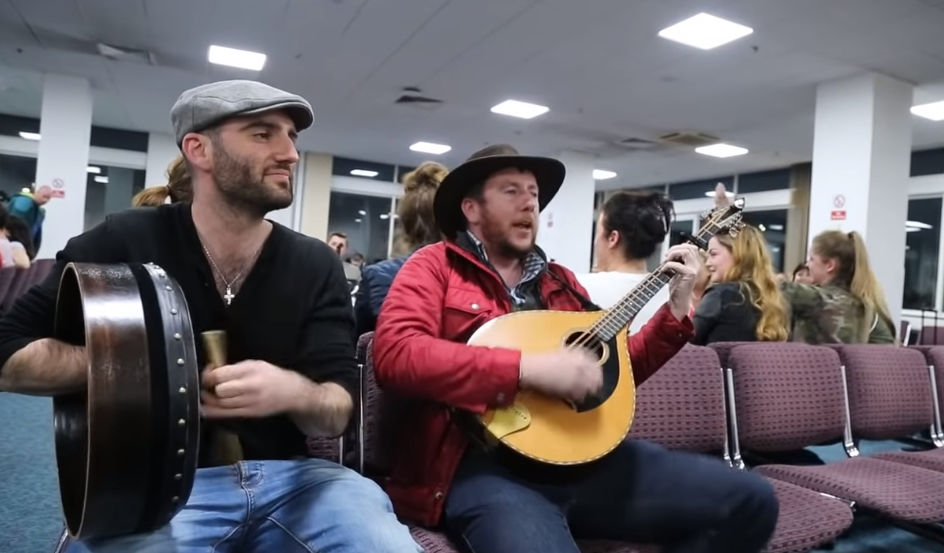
[
  {"x": 151, "y": 197},
  {"x": 867, "y": 288}
]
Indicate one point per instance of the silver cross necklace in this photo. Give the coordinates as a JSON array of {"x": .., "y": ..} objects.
[{"x": 228, "y": 295}]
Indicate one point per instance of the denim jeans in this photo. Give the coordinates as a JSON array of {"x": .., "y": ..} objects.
[
  {"x": 302, "y": 506},
  {"x": 640, "y": 493}
]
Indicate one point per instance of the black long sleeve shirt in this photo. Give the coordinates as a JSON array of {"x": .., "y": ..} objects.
[{"x": 293, "y": 309}]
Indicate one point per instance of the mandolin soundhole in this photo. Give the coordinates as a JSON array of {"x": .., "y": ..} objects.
[
  {"x": 590, "y": 342},
  {"x": 604, "y": 352}
]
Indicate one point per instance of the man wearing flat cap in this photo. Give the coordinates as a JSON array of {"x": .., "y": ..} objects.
[
  {"x": 284, "y": 304},
  {"x": 449, "y": 473}
]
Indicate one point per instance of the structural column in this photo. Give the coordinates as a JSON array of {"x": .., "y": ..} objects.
[
  {"x": 65, "y": 130},
  {"x": 162, "y": 150},
  {"x": 566, "y": 228},
  {"x": 861, "y": 164}
]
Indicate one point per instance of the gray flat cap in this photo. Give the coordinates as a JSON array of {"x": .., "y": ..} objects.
[{"x": 205, "y": 105}]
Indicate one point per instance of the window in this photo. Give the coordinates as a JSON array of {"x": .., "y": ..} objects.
[
  {"x": 927, "y": 162},
  {"x": 764, "y": 181},
  {"x": 110, "y": 191},
  {"x": 345, "y": 167},
  {"x": 16, "y": 173},
  {"x": 922, "y": 238},
  {"x": 698, "y": 189},
  {"x": 366, "y": 222},
  {"x": 773, "y": 224}
]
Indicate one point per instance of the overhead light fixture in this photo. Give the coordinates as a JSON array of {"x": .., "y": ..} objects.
[
  {"x": 430, "y": 148},
  {"x": 101, "y": 179},
  {"x": 705, "y": 31},
  {"x": 721, "y": 150},
  {"x": 384, "y": 215},
  {"x": 93, "y": 169},
  {"x": 362, "y": 212},
  {"x": 358, "y": 220},
  {"x": 600, "y": 174},
  {"x": 243, "y": 59},
  {"x": 933, "y": 111},
  {"x": 522, "y": 110},
  {"x": 29, "y": 135},
  {"x": 364, "y": 173},
  {"x": 762, "y": 227},
  {"x": 776, "y": 227},
  {"x": 918, "y": 225}
]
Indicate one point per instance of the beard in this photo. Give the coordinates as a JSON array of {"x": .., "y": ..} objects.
[
  {"x": 497, "y": 234},
  {"x": 246, "y": 191}
]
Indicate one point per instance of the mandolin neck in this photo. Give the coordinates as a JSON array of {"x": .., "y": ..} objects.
[{"x": 619, "y": 316}]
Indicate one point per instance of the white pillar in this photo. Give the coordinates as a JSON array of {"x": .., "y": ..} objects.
[
  {"x": 566, "y": 229},
  {"x": 861, "y": 160},
  {"x": 65, "y": 128},
  {"x": 161, "y": 151}
]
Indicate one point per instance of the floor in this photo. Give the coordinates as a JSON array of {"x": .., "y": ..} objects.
[{"x": 29, "y": 500}]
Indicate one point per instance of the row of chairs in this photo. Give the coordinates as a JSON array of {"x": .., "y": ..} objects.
[
  {"x": 753, "y": 401},
  {"x": 15, "y": 282}
]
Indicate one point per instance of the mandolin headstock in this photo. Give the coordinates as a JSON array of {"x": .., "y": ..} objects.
[{"x": 724, "y": 218}]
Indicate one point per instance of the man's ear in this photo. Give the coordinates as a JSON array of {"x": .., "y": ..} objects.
[
  {"x": 198, "y": 150},
  {"x": 470, "y": 208}
]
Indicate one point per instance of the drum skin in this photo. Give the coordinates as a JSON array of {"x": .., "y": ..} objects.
[{"x": 127, "y": 447}]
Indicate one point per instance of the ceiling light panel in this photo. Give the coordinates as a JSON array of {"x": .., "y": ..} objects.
[
  {"x": 522, "y": 110},
  {"x": 705, "y": 31},
  {"x": 721, "y": 150},
  {"x": 231, "y": 57},
  {"x": 933, "y": 111},
  {"x": 430, "y": 148}
]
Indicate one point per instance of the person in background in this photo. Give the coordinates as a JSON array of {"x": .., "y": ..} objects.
[
  {"x": 17, "y": 235},
  {"x": 417, "y": 229},
  {"x": 845, "y": 302},
  {"x": 177, "y": 189},
  {"x": 801, "y": 274},
  {"x": 357, "y": 260},
  {"x": 337, "y": 241},
  {"x": 744, "y": 302},
  {"x": 630, "y": 227},
  {"x": 28, "y": 205}
]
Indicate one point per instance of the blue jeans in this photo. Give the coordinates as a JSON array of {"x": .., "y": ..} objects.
[
  {"x": 640, "y": 493},
  {"x": 302, "y": 506}
]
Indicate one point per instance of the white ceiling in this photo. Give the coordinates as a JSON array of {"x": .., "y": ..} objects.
[{"x": 598, "y": 64}]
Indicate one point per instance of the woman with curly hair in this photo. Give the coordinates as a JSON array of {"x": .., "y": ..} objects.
[
  {"x": 744, "y": 302},
  {"x": 417, "y": 229}
]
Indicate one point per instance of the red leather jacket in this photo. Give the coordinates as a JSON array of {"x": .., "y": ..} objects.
[{"x": 439, "y": 298}]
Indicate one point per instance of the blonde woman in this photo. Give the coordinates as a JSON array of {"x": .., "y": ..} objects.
[
  {"x": 845, "y": 302},
  {"x": 743, "y": 303},
  {"x": 417, "y": 229},
  {"x": 177, "y": 189}
]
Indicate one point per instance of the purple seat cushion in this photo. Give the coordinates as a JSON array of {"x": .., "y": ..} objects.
[
  {"x": 807, "y": 519},
  {"x": 899, "y": 491},
  {"x": 930, "y": 460}
]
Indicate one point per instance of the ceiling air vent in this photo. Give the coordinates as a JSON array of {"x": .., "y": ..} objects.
[
  {"x": 126, "y": 54},
  {"x": 413, "y": 96},
  {"x": 637, "y": 144},
  {"x": 689, "y": 139}
]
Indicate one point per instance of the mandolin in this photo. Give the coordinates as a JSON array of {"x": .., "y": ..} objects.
[{"x": 552, "y": 430}]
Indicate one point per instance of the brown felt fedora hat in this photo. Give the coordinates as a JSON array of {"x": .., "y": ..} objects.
[{"x": 447, "y": 205}]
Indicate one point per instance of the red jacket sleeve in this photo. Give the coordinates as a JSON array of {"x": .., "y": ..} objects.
[
  {"x": 411, "y": 358},
  {"x": 656, "y": 342}
]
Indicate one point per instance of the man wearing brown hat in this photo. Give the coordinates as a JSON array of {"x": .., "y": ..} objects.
[
  {"x": 491, "y": 498},
  {"x": 282, "y": 299}
]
